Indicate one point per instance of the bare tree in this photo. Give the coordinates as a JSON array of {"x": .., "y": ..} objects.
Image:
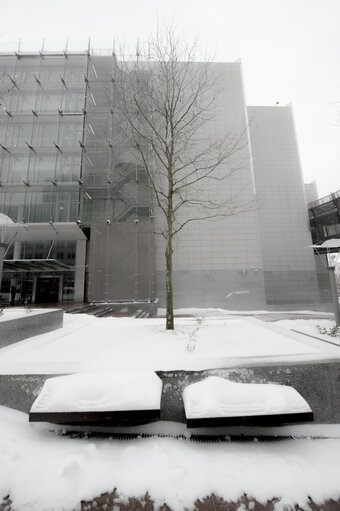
[{"x": 165, "y": 101}]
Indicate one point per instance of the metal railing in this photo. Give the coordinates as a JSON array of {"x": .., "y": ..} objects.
[{"x": 328, "y": 198}]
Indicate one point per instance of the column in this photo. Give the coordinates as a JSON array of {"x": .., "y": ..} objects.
[
  {"x": 79, "y": 277},
  {"x": 2, "y": 253},
  {"x": 60, "y": 290},
  {"x": 34, "y": 288},
  {"x": 334, "y": 294}
]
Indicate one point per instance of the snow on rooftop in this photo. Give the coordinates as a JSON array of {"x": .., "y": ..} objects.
[
  {"x": 332, "y": 243},
  {"x": 100, "y": 392},
  {"x": 218, "y": 397}
]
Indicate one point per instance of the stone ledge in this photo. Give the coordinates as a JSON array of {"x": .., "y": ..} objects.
[
  {"x": 318, "y": 383},
  {"x": 20, "y": 328}
]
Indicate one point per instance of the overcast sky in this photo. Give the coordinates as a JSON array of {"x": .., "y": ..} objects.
[{"x": 290, "y": 50}]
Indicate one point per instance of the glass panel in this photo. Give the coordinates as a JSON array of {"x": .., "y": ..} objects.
[
  {"x": 68, "y": 166},
  {"x": 35, "y": 250},
  {"x": 98, "y": 166},
  {"x": 23, "y": 100},
  {"x": 12, "y": 205},
  {"x": 66, "y": 207},
  {"x": 74, "y": 73},
  {"x": 39, "y": 206},
  {"x": 49, "y": 99},
  {"x": 70, "y": 133},
  {"x": 72, "y": 101},
  {"x": 18, "y": 134},
  {"x": 68, "y": 287},
  {"x": 42, "y": 168},
  {"x": 64, "y": 251},
  {"x": 14, "y": 168},
  {"x": 46, "y": 133},
  {"x": 3, "y": 130}
]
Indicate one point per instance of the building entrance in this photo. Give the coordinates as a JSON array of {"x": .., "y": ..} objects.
[{"x": 47, "y": 290}]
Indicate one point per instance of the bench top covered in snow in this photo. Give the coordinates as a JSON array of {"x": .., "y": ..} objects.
[
  {"x": 99, "y": 398},
  {"x": 224, "y": 402}
]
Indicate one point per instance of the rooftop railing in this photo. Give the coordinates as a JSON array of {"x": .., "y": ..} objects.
[{"x": 328, "y": 198}]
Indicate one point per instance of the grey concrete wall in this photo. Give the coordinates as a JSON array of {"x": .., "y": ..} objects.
[
  {"x": 318, "y": 383},
  {"x": 290, "y": 287},
  {"x": 14, "y": 330},
  {"x": 240, "y": 289},
  {"x": 215, "y": 257},
  {"x": 282, "y": 211}
]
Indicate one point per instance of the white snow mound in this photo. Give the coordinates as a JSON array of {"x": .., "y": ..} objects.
[
  {"x": 100, "y": 392},
  {"x": 217, "y": 397}
]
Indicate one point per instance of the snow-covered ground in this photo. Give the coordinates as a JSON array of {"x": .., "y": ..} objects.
[
  {"x": 40, "y": 470},
  {"x": 310, "y": 327},
  {"x": 87, "y": 343},
  {"x": 216, "y": 312}
]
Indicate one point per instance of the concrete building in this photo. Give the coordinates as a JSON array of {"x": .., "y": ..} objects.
[
  {"x": 79, "y": 216},
  {"x": 311, "y": 192}
]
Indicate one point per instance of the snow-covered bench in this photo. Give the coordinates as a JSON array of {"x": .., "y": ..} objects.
[
  {"x": 99, "y": 399},
  {"x": 219, "y": 402}
]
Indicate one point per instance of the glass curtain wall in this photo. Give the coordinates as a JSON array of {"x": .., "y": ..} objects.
[
  {"x": 62, "y": 159},
  {"x": 41, "y": 131},
  {"x": 117, "y": 199},
  {"x": 42, "y": 100}
]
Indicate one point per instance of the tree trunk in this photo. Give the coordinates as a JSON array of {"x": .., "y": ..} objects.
[{"x": 169, "y": 292}]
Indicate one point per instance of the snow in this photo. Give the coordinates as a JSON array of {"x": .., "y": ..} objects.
[
  {"x": 19, "y": 312},
  {"x": 309, "y": 327},
  {"x": 90, "y": 344},
  {"x": 5, "y": 220},
  {"x": 217, "y": 312},
  {"x": 332, "y": 243},
  {"x": 100, "y": 392},
  {"x": 42, "y": 471},
  {"x": 218, "y": 397}
]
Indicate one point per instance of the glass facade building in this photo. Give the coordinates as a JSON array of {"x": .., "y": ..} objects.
[
  {"x": 61, "y": 166},
  {"x": 77, "y": 214}
]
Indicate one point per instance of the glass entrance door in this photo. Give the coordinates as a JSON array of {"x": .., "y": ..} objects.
[{"x": 47, "y": 290}]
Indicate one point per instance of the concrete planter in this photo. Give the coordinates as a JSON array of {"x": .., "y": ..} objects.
[
  {"x": 318, "y": 383},
  {"x": 28, "y": 325}
]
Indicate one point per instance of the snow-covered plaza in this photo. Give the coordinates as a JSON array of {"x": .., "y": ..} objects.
[
  {"x": 209, "y": 339},
  {"x": 41, "y": 469}
]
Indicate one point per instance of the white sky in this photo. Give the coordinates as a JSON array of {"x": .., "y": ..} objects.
[{"x": 290, "y": 51}]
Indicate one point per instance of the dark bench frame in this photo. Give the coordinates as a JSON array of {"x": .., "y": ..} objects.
[
  {"x": 107, "y": 418},
  {"x": 250, "y": 420}
]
